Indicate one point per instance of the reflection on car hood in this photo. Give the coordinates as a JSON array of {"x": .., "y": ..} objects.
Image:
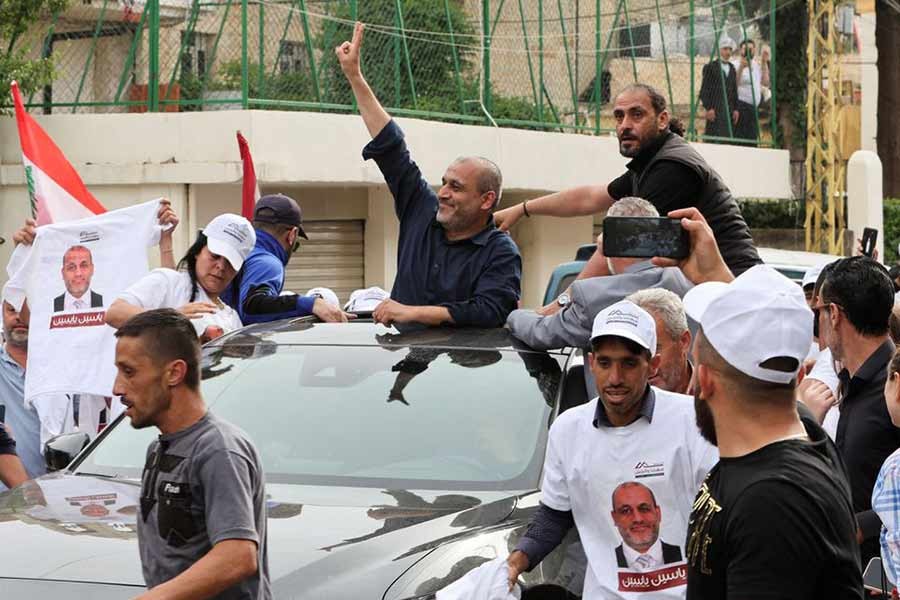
[{"x": 323, "y": 539}]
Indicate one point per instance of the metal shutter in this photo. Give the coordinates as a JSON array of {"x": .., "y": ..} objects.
[{"x": 334, "y": 257}]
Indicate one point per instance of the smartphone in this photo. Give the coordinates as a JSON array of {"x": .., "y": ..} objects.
[
  {"x": 869, "y": 237},
  {"x": 2, "y": 413},
  {"x": 874, "y": 577},
  {"x": 644, "y": 237}
]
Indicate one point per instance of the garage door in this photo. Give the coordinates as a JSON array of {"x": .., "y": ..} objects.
[{"x": 333, "y": 258}]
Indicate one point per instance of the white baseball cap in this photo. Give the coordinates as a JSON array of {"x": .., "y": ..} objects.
[
  {"x": 812, "y": 274},
  {"x": 628, "y": 320},
  {"x": 726, "y": 42},
  {"x": 231, "y": 236},
  {"x": 325, "y": 294},
  {"x": 759, "y": 316},
  {"x": 365, "y": 300}
]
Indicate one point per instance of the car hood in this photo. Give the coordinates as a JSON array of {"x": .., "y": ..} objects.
[{"x": 82, "y": 528}]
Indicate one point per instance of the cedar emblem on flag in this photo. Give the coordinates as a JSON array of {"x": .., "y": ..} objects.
[
  {"x": 54, "y": 187},
  {"x": 249, "y": 189}
]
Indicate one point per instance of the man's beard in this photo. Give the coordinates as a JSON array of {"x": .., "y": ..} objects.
[
  {"x": 705, "y": 421},
  {"x": 16, "y": 337}
]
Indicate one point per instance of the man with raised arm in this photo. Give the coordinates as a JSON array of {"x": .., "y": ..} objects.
[{"x": 453, "y": 265}]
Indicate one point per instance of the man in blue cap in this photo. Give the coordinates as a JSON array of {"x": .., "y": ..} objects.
[{"x": 256, "y": 292}]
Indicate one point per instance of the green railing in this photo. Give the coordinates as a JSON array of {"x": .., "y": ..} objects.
[{"x": 551, "y": 65}]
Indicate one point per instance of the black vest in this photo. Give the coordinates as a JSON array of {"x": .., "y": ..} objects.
[{"x": 715, "y": 203}]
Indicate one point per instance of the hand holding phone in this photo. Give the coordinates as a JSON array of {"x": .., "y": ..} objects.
[
  {"x": 869, "y": 238},
  {"x": 645, "y": 237}
]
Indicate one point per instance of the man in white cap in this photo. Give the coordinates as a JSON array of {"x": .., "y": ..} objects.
[
  {"x": 775, "y": 515},
  {"x": 718, "y": 93},
  {"x": 632, "y": 432}
]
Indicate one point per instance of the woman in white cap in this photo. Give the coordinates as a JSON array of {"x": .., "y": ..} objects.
[{"x": 209, "y": 266}]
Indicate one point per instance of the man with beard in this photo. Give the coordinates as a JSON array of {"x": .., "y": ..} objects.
[
  {"x": 453, "y": 266},
  {"x": 673, "y": 339},
  {"x": 664, "y": 169},
  {"x": 22, "y": 419},
  {"x": 630, "y": 432},
  {"x": 202, "y": 527},
  {"x": 774, "y": 518},
  {"x": 255, "y": 292},
  {"x": 637, "y": 516}
]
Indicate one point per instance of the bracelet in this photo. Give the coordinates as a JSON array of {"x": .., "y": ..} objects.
[{"x": 525, "y": 209}]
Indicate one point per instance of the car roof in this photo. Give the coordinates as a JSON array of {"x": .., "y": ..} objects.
[
  {"x": 794, "y": 258},
  {"x": 307, "y": 331}
]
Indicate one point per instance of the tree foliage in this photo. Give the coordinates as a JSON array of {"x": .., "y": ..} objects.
[
  {"x": 383, "y": 56},
  {"x": 17, "y": 60}
]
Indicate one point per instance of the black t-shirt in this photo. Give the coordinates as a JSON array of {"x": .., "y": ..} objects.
[
  {"x": 669, "y": 185},
  {"x": 776, "y": 523}
]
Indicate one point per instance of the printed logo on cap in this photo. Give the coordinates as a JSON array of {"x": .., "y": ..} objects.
[
  {"x": 620, "y": 316},
  {"x": 238, "y": 231}
]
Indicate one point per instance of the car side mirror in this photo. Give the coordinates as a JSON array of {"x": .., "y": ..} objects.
[{"x": 60, "y": 450}]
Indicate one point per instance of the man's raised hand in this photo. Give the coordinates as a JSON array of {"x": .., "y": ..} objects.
[{"x": 348, "y": 53}]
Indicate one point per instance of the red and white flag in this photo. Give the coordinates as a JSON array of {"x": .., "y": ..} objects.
[
  {"x": 250, "y": 189},
  {"x": 57, "y": 192}
]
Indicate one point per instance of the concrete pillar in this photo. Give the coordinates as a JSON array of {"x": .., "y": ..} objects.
[
  {"x": 545, "y": 242},
  {"x": 868, "y": 71},
  {"x": 382, "y": 234},
  {"x": 865, "y": 200}
]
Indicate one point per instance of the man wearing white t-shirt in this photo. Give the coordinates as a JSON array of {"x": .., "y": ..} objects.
[{"x": 632, "y": 432}]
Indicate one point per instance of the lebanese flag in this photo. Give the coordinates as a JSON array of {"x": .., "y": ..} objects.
[
  {"x": 56, "y": 191},
  {"x": 250, "y": 189}
]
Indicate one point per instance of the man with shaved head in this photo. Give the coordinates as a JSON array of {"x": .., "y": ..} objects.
[
  {"x": 77, "y": 271},
  {"x": 637, "y": 516},
  {"x": 453, "y": 265}
]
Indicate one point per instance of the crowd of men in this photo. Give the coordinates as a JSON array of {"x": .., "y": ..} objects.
[{"x": 741, "y": 441}]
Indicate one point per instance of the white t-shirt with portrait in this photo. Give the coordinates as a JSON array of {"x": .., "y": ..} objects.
[
  {"x": 585, "y": 464},
  {"x": 167, "y": 288}
]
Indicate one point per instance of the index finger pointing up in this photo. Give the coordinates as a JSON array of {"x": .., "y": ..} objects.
[{"x": 358, "y": 34}]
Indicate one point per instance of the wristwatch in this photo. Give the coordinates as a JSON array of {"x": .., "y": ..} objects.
[{"x": 563, "y": 299}]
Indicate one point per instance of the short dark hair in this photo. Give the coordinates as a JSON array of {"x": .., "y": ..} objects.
[
  {"x": 659, "y": 104},
  {"x": 865, "y": 292},
  {"x": 630, "y": 345},
  {"x": 167, "y": 335}
]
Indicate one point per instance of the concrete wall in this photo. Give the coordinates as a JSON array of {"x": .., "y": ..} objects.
[{"x": 193, "y": 160}]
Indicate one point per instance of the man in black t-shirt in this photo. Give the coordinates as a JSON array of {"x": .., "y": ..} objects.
[{"x": 774, "y": 518}]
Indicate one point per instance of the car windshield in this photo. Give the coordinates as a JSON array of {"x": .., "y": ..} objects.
[{"x": 417, "y": 417}]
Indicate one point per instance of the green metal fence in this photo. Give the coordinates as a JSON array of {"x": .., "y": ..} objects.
[{"x": 542, "y": 64}]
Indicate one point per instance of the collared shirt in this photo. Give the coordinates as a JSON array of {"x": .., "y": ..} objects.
[
  {"x": 587, "y": 459},
  {"x": 71, "y": 303},
  {"x": 886, "y": 503},
  {"x": 644, "y": 561},
  {"x": 866, "y": 436},
  {"x": 648, "y": 403},
  {"x": 22, "y": 420},
  {"x": 477, "y": 279}
]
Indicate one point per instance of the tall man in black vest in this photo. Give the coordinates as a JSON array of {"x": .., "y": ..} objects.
[{"x": 664, "y": 169}]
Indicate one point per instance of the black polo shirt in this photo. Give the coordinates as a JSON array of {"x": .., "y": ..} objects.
[
  {"x": 477, "y": 279},
  {"x": 866, "y": 437}
]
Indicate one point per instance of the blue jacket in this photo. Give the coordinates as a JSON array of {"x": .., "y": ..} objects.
[{"x": 261, "y": 281}]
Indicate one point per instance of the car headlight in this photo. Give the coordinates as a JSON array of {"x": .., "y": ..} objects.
[{"x": 449, "y": 562}]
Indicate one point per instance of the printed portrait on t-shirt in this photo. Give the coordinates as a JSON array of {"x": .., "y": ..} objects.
[
  {"x": 638, "y": 517},
  {"x": 77, "y": 271}
]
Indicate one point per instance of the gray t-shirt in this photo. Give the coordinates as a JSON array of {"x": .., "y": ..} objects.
[{"x": 200, "y": 486}]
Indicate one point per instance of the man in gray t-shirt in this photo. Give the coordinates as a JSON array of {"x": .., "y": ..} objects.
[{"x": 202, "y": 527}]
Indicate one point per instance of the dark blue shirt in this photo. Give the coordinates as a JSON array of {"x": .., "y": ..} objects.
[
  {"x": 260, "y": 282},
  {"x": 477, "y": 279}
]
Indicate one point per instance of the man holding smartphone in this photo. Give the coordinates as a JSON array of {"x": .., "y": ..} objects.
[{"x": 664, "y": 169}]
